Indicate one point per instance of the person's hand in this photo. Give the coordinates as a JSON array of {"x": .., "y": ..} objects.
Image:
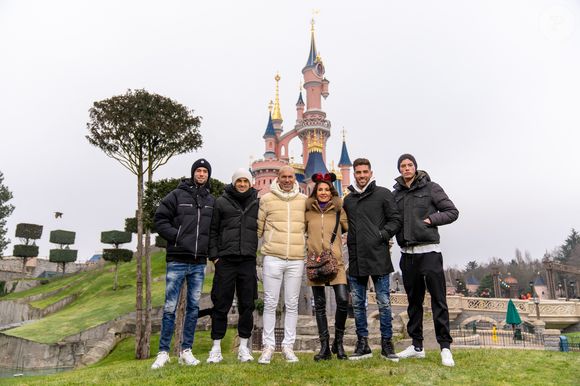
[
  {"x": 427, "y": 221},
  {"x": 216, "y": 261}
]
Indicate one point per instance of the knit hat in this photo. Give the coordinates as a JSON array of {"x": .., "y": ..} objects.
[
  {"x": 241, "y": 173},
  {"x": 201, "y": 163},
  {"x": 404, "y": 157}
]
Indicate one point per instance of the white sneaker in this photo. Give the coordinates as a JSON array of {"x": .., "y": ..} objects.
[
  {"x": 161, "y": 360},
  {"x": 289, "y": 355},
  {"x": 447, "y": 358},
  {"x": 214, "y": 357},
  {"x": 266, "y": 356},
  {"x": 244, "y": 354},
  {"x": 187, "y": 358},
  {"x": 410, "y": 352}
]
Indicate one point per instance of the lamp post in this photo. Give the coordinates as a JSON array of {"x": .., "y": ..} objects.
[
  {"x": 560, "y": 289},
  {"x": 397, "y": 289},
  {"x": 536, "y": 300},
  {"x": 572, "y": 293}
]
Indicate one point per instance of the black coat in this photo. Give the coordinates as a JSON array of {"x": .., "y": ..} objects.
[
  {"x": 234, "y": 227},
  {"x": 183, "y": 218},
  {"x": 373, "y": 219},
  {"x": 424, "y": 199}
]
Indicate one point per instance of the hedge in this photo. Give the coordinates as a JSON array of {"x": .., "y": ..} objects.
[
  {"x": 62, "y": 237},
  {"x": 25, "y": 250},
  {"x": 29, "y": 231},
  {"x": 115, "y": 237},
  {"x": 117, "y": 254},
  {"x": 62, "y": 255}
]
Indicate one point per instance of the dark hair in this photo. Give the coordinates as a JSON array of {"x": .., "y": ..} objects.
[
  {"x": 333, "y": 191},
  {"x": 361, "y": 161}
]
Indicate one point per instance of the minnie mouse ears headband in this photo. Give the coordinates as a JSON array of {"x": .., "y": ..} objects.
[{"x": 327, "y": 177}]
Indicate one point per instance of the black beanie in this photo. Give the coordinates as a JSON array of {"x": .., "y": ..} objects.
[
  {"x": 201, "y": 163},
  {"x": 404, "y": 157}
]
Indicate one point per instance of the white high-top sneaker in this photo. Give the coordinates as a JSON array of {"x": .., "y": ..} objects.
[
  {"x": 447, "y": 358},
  {"x": 266, "y": 356},
  {"x": 187, "y": 358},
  {"x": 244, "y": 354},
  {"x": 289, "y": 355},
  {"x": 161, "y": 360},
  {"x": 215, "y": 356}
]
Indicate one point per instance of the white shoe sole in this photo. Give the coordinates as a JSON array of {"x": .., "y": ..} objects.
[
  {"x": 396, "y": 360},
  {"x": 351, "y": 358},
  {"x": 183, "y": 362}
]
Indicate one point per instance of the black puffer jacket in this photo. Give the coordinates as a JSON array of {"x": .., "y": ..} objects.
[
  {"x": 424, "y": 199},
  {"x": 373, "y": 219},
  {"x": 183, "y": 218},
  {"x": 234, "y": 227}
]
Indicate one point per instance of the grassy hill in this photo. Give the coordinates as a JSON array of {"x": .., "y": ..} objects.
[
  {"x": 474, "y": 367},
  {"x": 95, "y": 302}
]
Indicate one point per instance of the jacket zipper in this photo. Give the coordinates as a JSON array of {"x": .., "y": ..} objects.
[
  {"x": 197, "y": 231},
  {"x": 177, "y": 237},
  {"x": 322, "y": 223}
]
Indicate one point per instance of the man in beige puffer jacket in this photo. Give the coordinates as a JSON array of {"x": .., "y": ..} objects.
[{"x": 281, "y": 224}]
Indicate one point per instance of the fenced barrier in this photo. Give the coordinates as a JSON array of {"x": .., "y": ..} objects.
[{"x": 500, "y": 338}]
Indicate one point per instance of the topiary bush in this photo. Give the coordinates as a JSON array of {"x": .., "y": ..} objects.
[
  {"x": 116, "y": 255},
  {"x": 27, "y": 233},
  {"x": 63, "y": 255}
]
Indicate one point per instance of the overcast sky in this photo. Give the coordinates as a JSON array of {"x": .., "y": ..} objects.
[{"x": 484, "y": 93}]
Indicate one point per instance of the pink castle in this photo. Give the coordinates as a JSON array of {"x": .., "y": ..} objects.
[{"x": 311, "y": 127}]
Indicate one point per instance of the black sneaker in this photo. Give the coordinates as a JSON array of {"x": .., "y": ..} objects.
[
  {"x": 362, "y": 351},
  {"x": 387, "y": 350}
]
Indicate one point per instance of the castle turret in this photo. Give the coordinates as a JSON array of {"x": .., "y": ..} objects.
[
  {"x": 270, "y": 139},
  {"x": 300, "y": 107},
  {"x": 344, "y": 164},
  {"x": 315, "y": 162}
]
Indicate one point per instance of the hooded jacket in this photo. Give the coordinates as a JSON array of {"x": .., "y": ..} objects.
[
  {"x": 423, "y": 199},
  {"x": 234, "y": 224},
  {"x": 319, "y": 226},
  {"x": 373, "y": 219},
  {"x": 183, "y": 218},
  {"x": 281, "y": 223}
]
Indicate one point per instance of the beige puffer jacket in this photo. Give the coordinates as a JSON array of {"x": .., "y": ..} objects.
[{"x": 281, "y": 223}]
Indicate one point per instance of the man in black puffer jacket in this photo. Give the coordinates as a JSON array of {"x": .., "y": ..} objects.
[
  {"x": 233, "y": 246},
  {"x": 424, "y": 206},
  {"x": 183, "y": 219},
  {"x": 373, "y": 219}
]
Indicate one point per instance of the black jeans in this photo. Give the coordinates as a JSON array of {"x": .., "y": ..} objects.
[
  {"x": 341, "y": 294},
  {"x": 233, "y": 274},
  {"x": 419, "y": 270}
]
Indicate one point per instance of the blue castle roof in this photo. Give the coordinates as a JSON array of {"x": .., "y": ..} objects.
[
  {"x": 315, "y": 165},
  {"x": 472, "y": 280},
  {"x": 312, "y": 54},
  {"x": 344, "y": 158},
  {"x": 300, "y": 100},
  {"x": 270, "y": 128}
]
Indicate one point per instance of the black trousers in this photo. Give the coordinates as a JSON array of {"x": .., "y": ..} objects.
[
  {"x": 420, "y": 270},
  {"x": 341, "y": 294},
  {"x": 233, "y": 275}
]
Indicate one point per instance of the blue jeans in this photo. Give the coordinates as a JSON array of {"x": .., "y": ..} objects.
[
  {"x": 176, "y": 274},
  {"x": 358, "y": 291}
]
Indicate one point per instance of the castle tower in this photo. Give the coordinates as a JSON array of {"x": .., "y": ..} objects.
[
  {"x": 315, "y": 162},
  {"x": 270, "y": 139},
  {"x": 316, "y": 86},
  {"x": 344, "y": 164}
]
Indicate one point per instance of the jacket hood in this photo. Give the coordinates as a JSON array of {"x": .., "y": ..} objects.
[
  {"x": 286, "y": 196},
  {"x": 335, "y": 203},
  {"x": 356, "y": 190},
  {"x": 421, "y": 180}
]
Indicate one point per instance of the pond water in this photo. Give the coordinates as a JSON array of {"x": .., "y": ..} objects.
[{"x": 10, "y": 373}]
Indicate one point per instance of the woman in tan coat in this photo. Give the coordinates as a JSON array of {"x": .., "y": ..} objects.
[{"x": 321, "y": 209}]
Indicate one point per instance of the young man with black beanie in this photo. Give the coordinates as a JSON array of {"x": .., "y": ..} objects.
[
  {"x": 183, "y": 218},
  {"x": 424, "y": 206}
]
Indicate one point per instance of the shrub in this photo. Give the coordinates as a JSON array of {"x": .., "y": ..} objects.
[
  {"x": 62, "y": 237},
  {"x": 28, "y": 231}
]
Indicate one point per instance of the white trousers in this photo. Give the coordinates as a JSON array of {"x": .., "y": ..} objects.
[{"x": 275, "y": 271}]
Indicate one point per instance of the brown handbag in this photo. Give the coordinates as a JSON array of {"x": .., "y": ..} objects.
[{"x": 322, "y": 268}]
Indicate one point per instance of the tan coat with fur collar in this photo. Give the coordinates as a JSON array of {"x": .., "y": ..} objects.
[{"x": 319, "y": 227}]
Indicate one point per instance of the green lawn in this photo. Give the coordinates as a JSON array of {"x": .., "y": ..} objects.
[{"x": 474, "y": 367}]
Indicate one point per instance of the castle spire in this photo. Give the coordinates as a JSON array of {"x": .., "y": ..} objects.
[
  {"x": 276, "y": 114},
  {"x": 269, "y": 128},
  {"x": 344, "y": 158},
  {"x": 312, "y": 55}
]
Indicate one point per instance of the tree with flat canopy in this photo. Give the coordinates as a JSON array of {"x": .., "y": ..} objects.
[
  {"x": 63, "y": 254},
  {"x": 28, "y": 234},
  {"x": 116, "y": 254},
  {"x": 142, "y": 131}
]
